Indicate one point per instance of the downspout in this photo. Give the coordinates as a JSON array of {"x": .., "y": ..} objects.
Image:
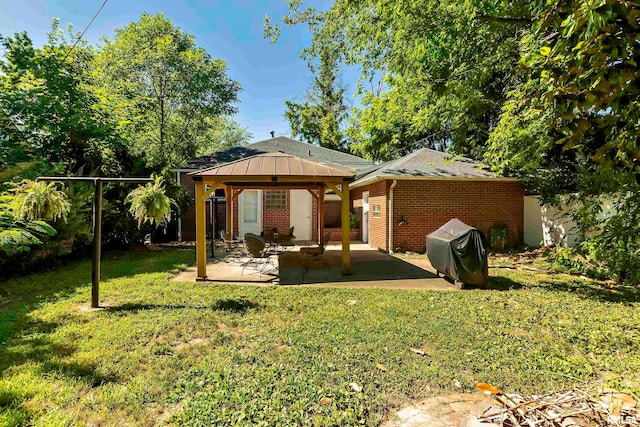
[
  {"x": 180, "y": 216},
  {"x": 393, "y": 184}
]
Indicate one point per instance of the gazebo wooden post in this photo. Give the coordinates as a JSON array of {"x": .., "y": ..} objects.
[
  {"x": 344, "y": 224},
  {"x": 202, "y": 193},
  {"x": 321, "y": 192},
  {"x": 230, "y": 206},
  {"x": 201, "y": 230},
  {"x": 228, "y": 197},
  {"x": 346, "y": 230}
]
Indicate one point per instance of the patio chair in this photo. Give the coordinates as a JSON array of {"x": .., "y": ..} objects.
[
  {"x": 232, "y": 245},
  {"x": 314, "y": 253},
  {"x": 256, "y": 249}
]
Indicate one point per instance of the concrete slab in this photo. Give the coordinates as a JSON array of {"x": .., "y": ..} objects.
[
  {"x": 371, "y": 268},
  {"x": 231, "y": 270}
]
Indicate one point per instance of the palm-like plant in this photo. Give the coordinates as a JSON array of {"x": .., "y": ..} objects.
[
  {"x": 33, "y": 200},
  {"x": 22, "y": 214}
]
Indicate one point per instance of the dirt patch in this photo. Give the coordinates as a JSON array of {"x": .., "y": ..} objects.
[
  {"x": 452, "y": 410},
  {"x": 196, "y": 342}
]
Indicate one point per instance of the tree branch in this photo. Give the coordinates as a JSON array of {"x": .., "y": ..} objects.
[{"x": 507, "y": 19}]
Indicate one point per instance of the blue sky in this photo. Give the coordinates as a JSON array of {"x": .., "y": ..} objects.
[{"x": 230, "y": 30}]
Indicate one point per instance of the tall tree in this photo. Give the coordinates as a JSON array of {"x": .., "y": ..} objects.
[
  {"x": 221, "y": 133},
  {"x": 432, "y": 71},
  {"x": 49, "y": 106},
  {"x": 164, "y": 88},
  {"x": 319, "y": 118}
]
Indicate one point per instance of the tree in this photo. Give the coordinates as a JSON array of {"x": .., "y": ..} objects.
[
  {"x": 318, "y": 120},
  {"x": 582, "y": 61},
  {"x": 221, "y": 133},
  {"x": 163, "y": 88},
  {"x": 432, "y": 71},
  {"x": 50, "y": 111}
]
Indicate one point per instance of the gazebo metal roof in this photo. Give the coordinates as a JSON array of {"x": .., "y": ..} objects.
[{"x": 274, "y": 165}]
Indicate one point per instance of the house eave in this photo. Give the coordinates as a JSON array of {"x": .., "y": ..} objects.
[{"x": 377, "y": 178}]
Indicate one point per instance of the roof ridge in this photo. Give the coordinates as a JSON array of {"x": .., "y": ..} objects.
[
  {"x": 455, "y": 157},
  {"x": 311, "y": 144}
]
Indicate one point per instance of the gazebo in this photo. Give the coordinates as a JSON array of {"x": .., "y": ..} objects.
[{"x": 269, "y": 171}]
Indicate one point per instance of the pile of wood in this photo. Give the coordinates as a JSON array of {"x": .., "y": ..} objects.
[{"x": 582, "y": 406}]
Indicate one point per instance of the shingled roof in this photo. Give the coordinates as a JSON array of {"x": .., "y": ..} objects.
[
  {"x": 426, "y": 163},
  {"x": 282, "y": 144}
]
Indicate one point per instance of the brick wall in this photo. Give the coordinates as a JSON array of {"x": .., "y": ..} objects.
[
  {"x": 332, "y": 213},
  {"x": 425, "y": 205},
  {"x": 378, "y": 227},
  {"x": 278, "y": 218}
]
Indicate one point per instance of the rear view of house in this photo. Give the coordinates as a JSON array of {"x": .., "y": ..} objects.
[
  {"x": 257, "y": 210},
  {"x": 402, "y": 201}
]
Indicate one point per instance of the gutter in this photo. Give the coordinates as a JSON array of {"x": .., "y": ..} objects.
[
  {"x": 395, "y": 182},
  {"x": 362, "y": 182}
]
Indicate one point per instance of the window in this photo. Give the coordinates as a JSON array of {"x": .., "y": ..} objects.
[
  {"x": 375, "y": 211},
  {"x": 276, "y": 200}
]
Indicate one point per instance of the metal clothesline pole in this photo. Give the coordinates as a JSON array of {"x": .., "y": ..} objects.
[{"x": 97, "y": 221}]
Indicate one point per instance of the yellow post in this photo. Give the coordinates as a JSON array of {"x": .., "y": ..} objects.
[
  {"x": 230, "y": 206},
  {"x": 201, "y": 231},
  {"x": 321, "y": 216},
  {"x": 228, "y": 196},
  {"x": 346, "y": 229}
]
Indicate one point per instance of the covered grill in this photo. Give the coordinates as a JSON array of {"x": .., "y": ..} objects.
[{"x": 458, "y": 251}]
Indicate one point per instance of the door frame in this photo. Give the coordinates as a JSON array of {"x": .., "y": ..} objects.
[
  {"x": 291, "y": 216},
  {"x": 365, "y": 217},
  {"x": 241, "y": 230}
]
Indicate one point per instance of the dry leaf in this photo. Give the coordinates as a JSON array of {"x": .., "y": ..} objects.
[
  {"x": 417, "y": 351},
  {"x": 326, "y": 400},
  {"x": 351, "y": 302},
  {"x": 617, "y": 401},
  {"x": 457, "y": 383},
  {"x": 357, "y": 388},
  {"x": 382, "y": 367},
  {"x": 615, "y": 406},
  {"x": 487, "y": 388}
]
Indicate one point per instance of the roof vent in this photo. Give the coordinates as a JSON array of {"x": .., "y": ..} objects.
[
  {"x": 273, "y": 134},
  {"x": 309, "y": 153}
]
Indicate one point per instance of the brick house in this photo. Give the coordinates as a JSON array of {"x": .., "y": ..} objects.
[
  {"x": 402, "y": 201},
  {"x": 258, "y": 210},
  {"x": 419, "y": 192}
]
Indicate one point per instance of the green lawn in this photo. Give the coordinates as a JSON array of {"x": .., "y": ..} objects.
[{"x": 201, "y": 354}]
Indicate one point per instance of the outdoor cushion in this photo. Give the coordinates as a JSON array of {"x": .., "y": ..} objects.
[{"x": 317, "y": 250}]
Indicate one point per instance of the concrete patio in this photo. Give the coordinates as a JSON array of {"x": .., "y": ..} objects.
[{"x": 371, "y": 268}]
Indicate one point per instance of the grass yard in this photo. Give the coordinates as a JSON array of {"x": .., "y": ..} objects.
[{"x": 202, "y": 354}]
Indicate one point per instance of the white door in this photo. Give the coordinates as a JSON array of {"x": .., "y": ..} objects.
[
  {"x": 365, "y": 217},
  {"x": 301, "y": 211},
  {"x": 250, "y": 212}
]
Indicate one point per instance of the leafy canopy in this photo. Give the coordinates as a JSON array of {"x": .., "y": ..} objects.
[{"x": 163, "y": 88}]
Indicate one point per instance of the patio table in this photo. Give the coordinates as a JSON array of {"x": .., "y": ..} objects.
[{"x": 279, "y": 243}]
